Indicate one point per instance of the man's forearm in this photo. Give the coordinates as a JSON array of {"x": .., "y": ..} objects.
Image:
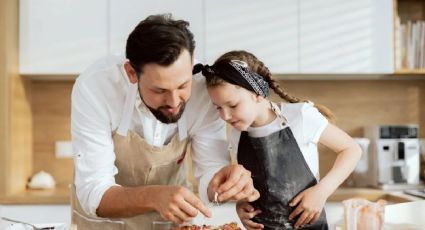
[{"x": 121, "y": 202}]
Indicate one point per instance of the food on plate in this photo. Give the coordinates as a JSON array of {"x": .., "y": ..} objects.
[{"x": 230, "y": 226}]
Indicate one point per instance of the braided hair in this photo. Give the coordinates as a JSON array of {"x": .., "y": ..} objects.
[{"x": 257, "y": 66}]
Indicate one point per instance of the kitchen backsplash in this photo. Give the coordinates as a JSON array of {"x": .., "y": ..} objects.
[{"x": 356, "y": 103}]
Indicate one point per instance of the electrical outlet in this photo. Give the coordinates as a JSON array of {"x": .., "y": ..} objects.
[{"x": 63, "y": 149}]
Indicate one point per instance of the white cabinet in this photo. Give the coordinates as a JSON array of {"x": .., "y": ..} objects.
[
  {"x": 126, "y": 14},
  {"x": 268, "y": 29},
  {"x": 61, "y": 37},
  {"x": 304, "y": 36},
  {"x": 339, "y": 36},
  {"x": 66, "y": 36}
]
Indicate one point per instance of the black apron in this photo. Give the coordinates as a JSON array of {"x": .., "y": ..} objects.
[{"x": 280, "y": 173}]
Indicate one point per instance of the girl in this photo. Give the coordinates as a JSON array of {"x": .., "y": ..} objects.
[{"x": 277, "y": 142}]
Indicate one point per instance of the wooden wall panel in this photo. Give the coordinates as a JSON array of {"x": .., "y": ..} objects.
[
  {"x": 15, "y": 115},
  {"x": 360, "y": 103},
  {"x": 51, "y": 108},
  {"x": 355, "y": 103},
  {"x": 21, "y": 132},
  {"x": 4, "y": 103}
]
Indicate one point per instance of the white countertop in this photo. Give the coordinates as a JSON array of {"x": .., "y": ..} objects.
[
  {"x": 402, "y": 216},
  {"x": 58, "y": 216},
  {"x": 403, "y": 213},
  {"x": 406, "y": 213}
]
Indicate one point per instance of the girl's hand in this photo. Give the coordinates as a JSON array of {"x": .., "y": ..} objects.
[
  {"x": 246, "y": 212},
  {"x": 310, "y": 203},
  {"x": 233, "y": 182}
]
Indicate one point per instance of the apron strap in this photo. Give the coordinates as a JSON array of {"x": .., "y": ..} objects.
[
  {"x": 232, "y": 146},
  {"x": 182, "y": 127},
  {"x": 279, "y": 113},
  {"x": 130, "y": 100}
]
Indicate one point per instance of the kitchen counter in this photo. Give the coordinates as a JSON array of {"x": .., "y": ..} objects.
[
  {"x": 371, "y": 195},
  {"x": 36, "y": 214},
  {"x": 334, "y": 209},
  {"x": 395, "y": 199},
  {"x": 403, "y": 213},
  {"x": 410, "y": 212},
  {"x": 61, "y": 195},
  {"x": 398, "y": 203},
  {"x": 402, "y": 216},
  {"x": 58, "y": 195}
]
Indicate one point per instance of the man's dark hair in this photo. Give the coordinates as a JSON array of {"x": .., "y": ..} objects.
[{"x": 158, "y": 39}]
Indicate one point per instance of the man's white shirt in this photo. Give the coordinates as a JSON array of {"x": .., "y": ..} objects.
[{"x": 98, "y": 98}]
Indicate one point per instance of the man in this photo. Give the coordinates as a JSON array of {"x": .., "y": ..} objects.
[{"x": 133, "y": 121}]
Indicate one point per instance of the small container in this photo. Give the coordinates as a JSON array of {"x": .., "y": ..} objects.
[{"x": 361, "y": 214}]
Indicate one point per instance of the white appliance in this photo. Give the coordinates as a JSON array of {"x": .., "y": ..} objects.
[
  {"x": 393, "y": 155},
  {"x": 358, "y": 177}
]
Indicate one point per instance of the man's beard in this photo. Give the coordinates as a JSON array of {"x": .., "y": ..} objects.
[{"x": 167, "y": 119}]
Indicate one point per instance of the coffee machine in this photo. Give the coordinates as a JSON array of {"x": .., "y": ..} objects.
[{"x": 393, "y": 156}]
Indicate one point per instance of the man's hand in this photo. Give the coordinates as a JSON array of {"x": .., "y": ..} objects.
[
  {"x": 178, "y": 204},
  {"x": 233, "y": 182}
]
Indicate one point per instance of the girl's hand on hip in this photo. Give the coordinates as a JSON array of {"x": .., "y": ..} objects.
[
  {"x": 246, "y": 212},
  {"x": 233, "y": 182},
  {"x": 309, "y": 205}
]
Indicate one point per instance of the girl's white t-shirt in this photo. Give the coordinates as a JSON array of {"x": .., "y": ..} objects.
[{"x": 306, "y": 123}]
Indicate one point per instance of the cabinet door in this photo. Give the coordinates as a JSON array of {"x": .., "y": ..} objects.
[
  {"x": 268, "y": 29},
  {"x": 126, "y": 14},
  {"x": 339, "y": 36},
  {"x": 61, "y": 37}
]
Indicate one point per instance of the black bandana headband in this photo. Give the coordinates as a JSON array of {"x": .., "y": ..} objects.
[{"x": 236, "y": 72}]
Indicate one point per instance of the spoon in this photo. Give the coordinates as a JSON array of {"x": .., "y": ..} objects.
[{"x": 21, "y": 222}]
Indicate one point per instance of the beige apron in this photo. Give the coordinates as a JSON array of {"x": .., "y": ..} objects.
[{"x": 139, "y": 164}]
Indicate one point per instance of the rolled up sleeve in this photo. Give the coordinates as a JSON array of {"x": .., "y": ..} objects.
[
  {"x": 209, "y": 148},
  {"x": 93, "y": 147}
]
